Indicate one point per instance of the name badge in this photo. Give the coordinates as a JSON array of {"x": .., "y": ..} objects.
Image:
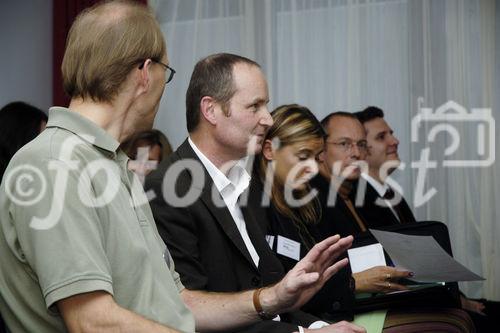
[{"x": 288, "y": 248}]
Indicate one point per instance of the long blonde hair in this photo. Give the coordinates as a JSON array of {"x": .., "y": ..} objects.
[{"x": 293, "y": 123}]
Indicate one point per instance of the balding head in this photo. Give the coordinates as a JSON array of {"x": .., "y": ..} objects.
[
  {"x": 345, "y": 145},
  {"x": 104, "y": 44}
]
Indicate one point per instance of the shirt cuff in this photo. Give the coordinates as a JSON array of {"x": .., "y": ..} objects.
[{"x": 318, "y": 324}]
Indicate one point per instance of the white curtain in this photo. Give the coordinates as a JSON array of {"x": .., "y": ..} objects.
[{"x": 335, "y": 55}]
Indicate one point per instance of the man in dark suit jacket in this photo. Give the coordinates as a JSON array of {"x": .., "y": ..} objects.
[
  {"x": 342, "y": 163},
  {"x": 347, "y": 145},
  {"x": 382, "y": 206},
  {"x": 215, "y": 242},
  {"x": 380, "y": 210}
]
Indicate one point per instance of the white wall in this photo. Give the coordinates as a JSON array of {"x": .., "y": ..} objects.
[{"x": 26, "y": 52}]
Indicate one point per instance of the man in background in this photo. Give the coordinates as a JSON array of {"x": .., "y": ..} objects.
[{"x": 382, "y": 204}]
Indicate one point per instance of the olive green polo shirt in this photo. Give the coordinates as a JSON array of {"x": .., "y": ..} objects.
[{"x": 73, "y": 219}]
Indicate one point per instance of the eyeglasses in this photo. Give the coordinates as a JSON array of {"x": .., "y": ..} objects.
[
  {"x": 347, "y": 145},
  {"x": 167, "y": 68}
]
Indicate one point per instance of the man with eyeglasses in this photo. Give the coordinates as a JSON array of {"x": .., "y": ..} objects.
[
  {"x": 83, "y": 254},
  {"x": 342, "y": 162},
  {"x": 169, "y": 71},
  {"x": 71, "y": 259}
]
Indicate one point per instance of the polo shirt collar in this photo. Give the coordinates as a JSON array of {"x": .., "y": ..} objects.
[{"x": 71, "y": 121}]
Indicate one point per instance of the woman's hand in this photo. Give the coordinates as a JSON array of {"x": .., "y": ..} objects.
[{"x": 380, "y": 279}]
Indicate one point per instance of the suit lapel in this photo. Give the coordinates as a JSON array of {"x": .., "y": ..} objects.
[
  {"x": 406, "y": 211},
  {"x": 402, "y": 206},
  {"x": 268, "y": 263},
  {"x": 384, "y": 212},
  {"x": 220, "y": 214},
  {"x": 255, "y": 232}
]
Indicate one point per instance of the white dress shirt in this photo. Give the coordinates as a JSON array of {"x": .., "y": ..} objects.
[{"x": 230, "y": 188}]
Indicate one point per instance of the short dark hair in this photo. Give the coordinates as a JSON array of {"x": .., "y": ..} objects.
[
  {"x": 369, "y": 113},
  {"x": 325, "y": 121},
  {"x": 212, "y": 76},
  {"x": 19, "y": 124}
]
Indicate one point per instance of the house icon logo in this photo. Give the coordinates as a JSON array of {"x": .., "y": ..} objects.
[{"x": 452, "y": 119}]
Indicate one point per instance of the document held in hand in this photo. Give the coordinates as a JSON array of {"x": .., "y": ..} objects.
[
  {"x": 423, "y": 256},
  {"x": 365, "y": 257}
]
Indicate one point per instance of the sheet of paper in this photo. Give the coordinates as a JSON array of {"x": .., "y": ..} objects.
[
  {"x": 423, "y": 256},
  {"x": 365, "y": 257}
]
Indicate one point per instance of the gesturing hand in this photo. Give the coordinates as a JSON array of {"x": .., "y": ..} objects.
[
  {"x": 307, "y": 277},
  {"x": 380, "y": 279}
]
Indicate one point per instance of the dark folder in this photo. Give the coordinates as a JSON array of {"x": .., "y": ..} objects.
[{"x": 421, "y": 295}]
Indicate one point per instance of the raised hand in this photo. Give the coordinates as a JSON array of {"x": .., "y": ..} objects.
[{"x": 307, "y": 277}]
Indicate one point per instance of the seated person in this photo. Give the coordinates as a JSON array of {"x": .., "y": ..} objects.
[
  {"x": 146, "y": 149},
  {"x": 381, "y": 204},
  {"x": 288, "y": 160},
  {"x": 382, "y": 158},
  {"x": 216, "y": 244},
  {"x": 19, "y": 124}
]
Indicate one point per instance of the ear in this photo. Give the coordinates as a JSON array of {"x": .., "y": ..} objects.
[
  {"x": 207, "y": 109},
  {"x": 267, "y": 150},
  {"x": 143, "y": 77},
  {"x": 321, "y": 157}
]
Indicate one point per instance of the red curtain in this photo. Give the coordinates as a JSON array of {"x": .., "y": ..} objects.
[{"x": 64, "y": 13}]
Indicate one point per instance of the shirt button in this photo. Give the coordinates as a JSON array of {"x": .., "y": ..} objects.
[{"x": 335, "y": 306}]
